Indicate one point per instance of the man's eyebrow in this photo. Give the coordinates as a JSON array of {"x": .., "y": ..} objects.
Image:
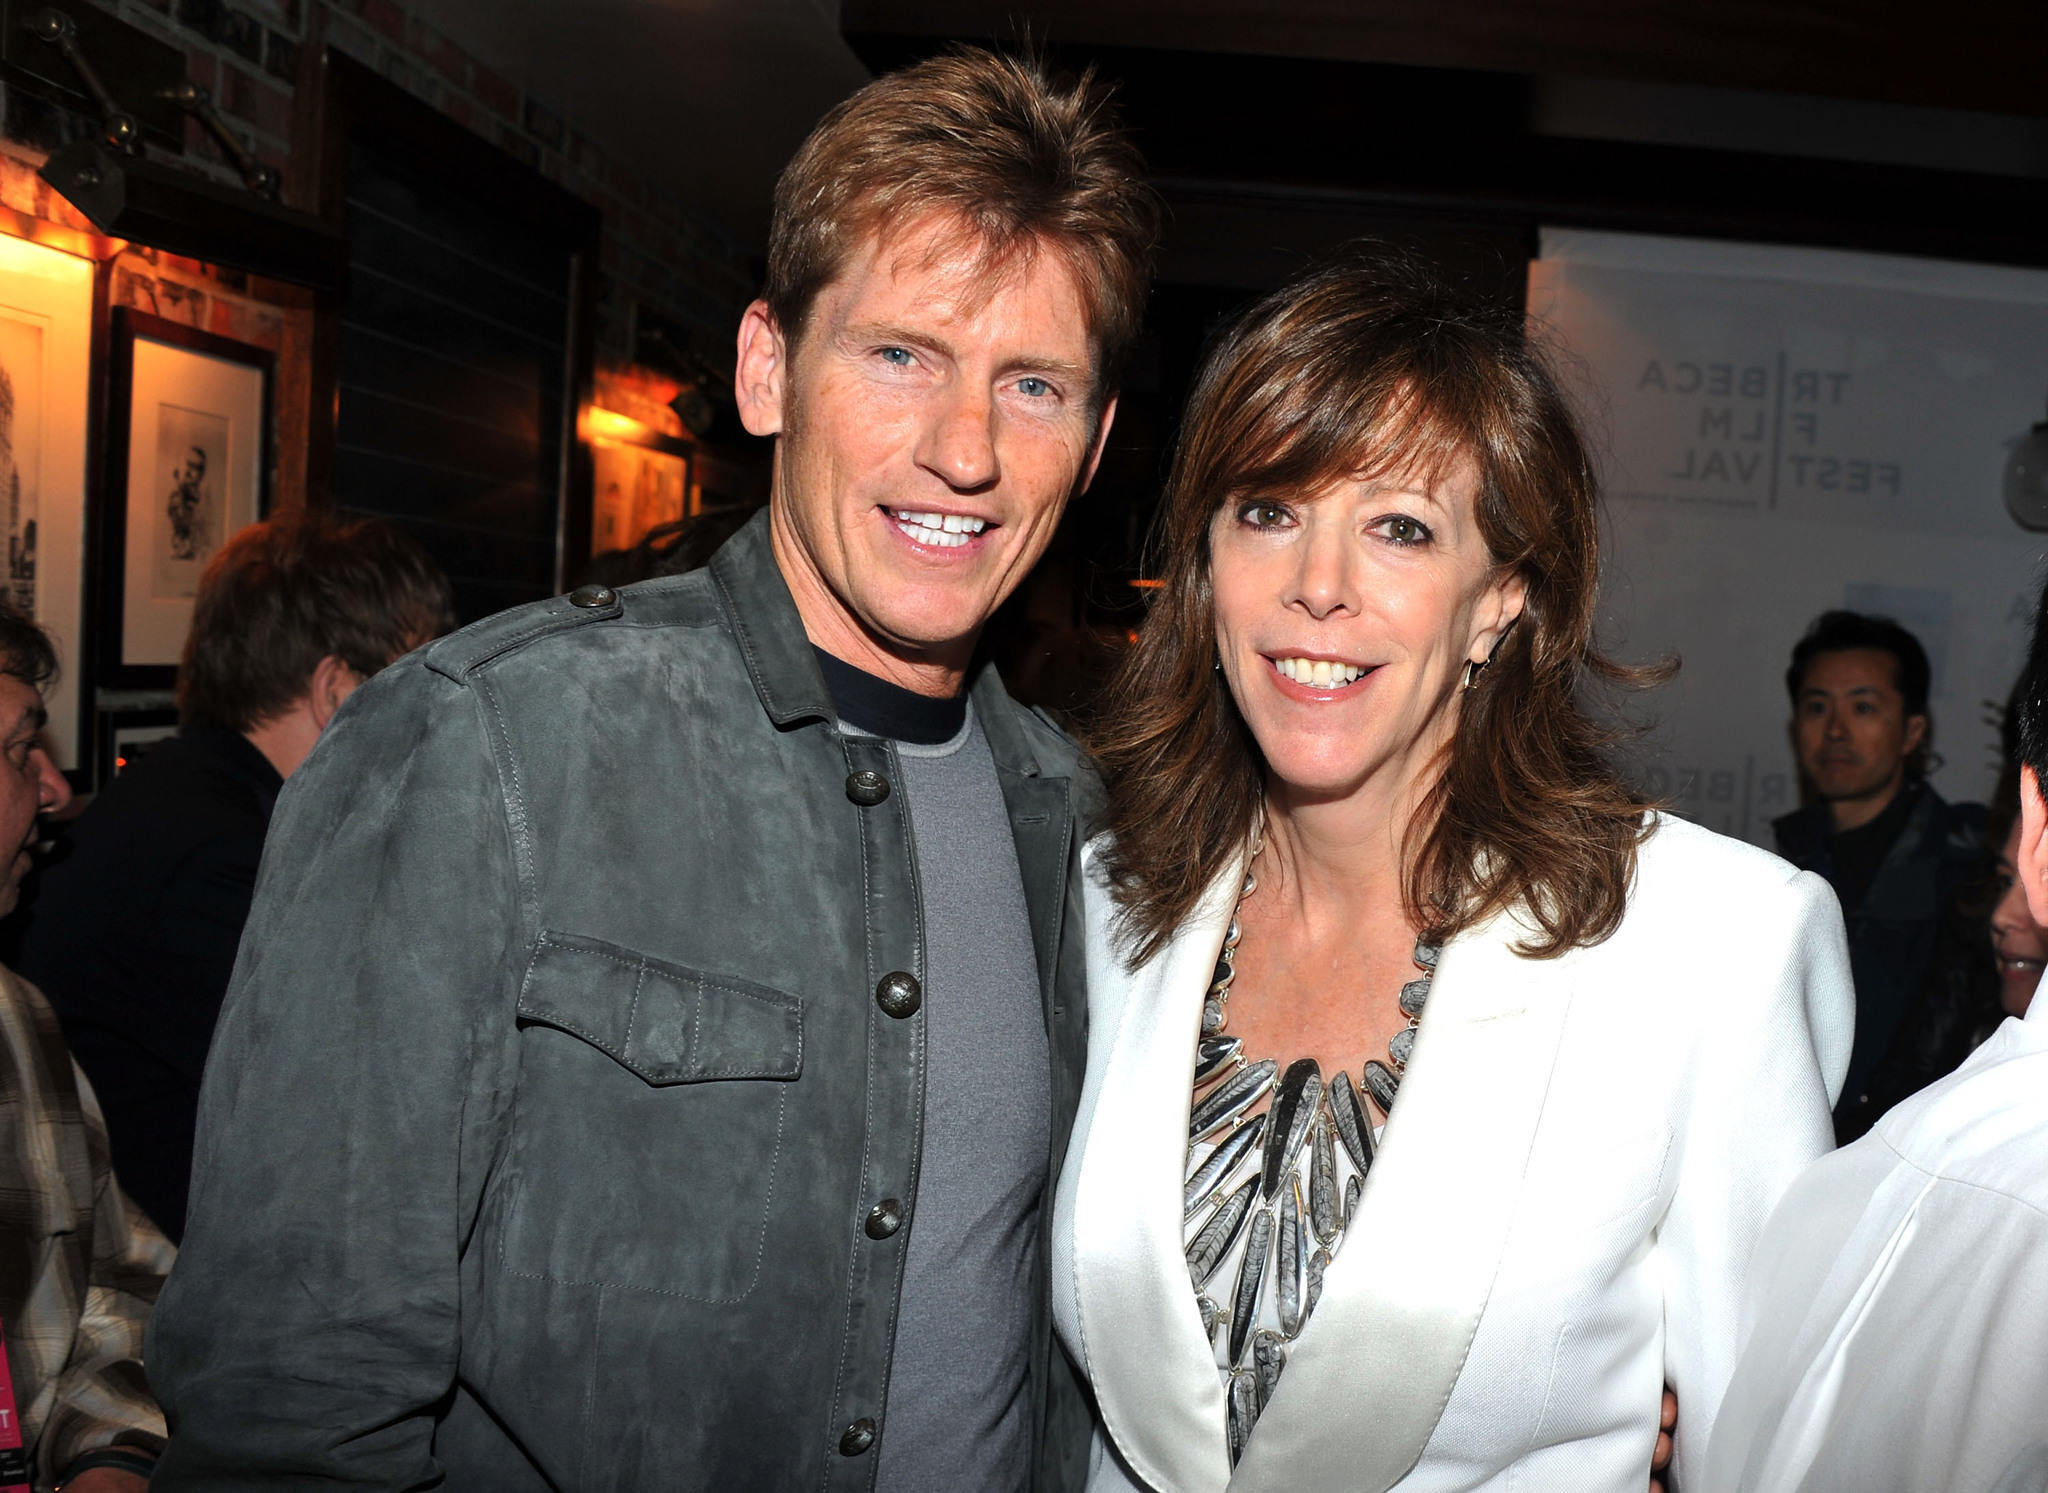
[
  {"x": 33, "y": 717},
  {"x": 1060, "y": 367},
  {"x": 888, "y": 335}
]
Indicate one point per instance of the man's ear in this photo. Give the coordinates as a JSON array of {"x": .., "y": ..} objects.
[
  {"x": 333, "y": 682},
  {"x": 1916, "y": 733},
  {"x": 2031, "y": 859},
  {"x": 759, "y": 376},
  {"x": 1107, "y": 419}
]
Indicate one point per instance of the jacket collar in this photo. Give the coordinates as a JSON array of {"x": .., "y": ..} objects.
[
  {"x": 777, "y": 650},
  {"x": 771, "y": 635},
  {"x": 999, "y": 723},
  {"x": 1403, "y": 1299}
]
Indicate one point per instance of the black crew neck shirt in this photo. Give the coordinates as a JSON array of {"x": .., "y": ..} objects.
[
  {"x": 884, "y": 709},
  {"x": 1857, "y": 853}
]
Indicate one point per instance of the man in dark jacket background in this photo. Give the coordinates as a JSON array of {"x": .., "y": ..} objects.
[
  {"x": 664, "y": 1008},
  {"x": 133, "y": 934},
  {"x": 1892, "y": 848}
]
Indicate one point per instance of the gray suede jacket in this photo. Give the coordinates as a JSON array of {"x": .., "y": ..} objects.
[{"x": 569, "y": 1051}]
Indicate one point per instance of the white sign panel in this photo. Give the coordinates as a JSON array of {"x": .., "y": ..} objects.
[{"x": 1783, "y": 431}]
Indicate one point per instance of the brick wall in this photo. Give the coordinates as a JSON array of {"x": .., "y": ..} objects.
[{"x": 657, "y": 251}]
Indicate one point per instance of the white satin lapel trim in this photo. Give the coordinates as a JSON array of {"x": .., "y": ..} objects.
[
  {"x": 1155, "y": 1377},
  {"x": 1367, "y": 1382}
]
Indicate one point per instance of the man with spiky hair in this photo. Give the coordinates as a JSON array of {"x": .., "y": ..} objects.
[
  {"x": 662, "y": 1011},
  {"x": 1892, "y": 1335}
]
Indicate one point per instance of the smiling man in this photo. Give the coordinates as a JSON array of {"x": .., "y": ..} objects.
[{"x": 663, "y": 1009}]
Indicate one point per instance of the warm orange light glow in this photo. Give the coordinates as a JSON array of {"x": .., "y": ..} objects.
[
  {"x": 1147, "y": 585},
  {"x": 610, "y": 425},
  {"x": 81, "y": 242}
]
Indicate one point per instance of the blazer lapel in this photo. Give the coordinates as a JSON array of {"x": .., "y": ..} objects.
[
  {"x": 1367, "y": 1381},
  {"x": 1155, "y": 1377}
]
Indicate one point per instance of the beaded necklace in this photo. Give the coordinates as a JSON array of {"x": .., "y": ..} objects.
[{"x": 1284, "y": 1183}]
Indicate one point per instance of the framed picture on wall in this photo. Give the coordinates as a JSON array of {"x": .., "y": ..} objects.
[
  {"x": 124, "y": 735},
  {"x": 188, "y": 417},
  {"x": 46, "y": 328},
  {"x": 638, "y": 488}
]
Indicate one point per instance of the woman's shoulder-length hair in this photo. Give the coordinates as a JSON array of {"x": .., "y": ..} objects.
[{"x": 1370, "y": 366}]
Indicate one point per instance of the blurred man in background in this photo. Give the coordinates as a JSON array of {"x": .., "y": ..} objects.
[
  {"x": 80, "y": 1267},
  {"x": 134, "y": 933},
  {"x": 1891, "y": 847},
  {"x": 1892, "y": 1321}
]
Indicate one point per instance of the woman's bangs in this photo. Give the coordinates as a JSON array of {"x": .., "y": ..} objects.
[{"x": 1366, "y": 432}]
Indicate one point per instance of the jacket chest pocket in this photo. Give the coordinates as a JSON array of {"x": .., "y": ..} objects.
[{"x": 653, "y": 1101}]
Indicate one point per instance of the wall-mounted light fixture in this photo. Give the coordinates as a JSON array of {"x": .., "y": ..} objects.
[
  {"x": 128, "y": 197},
  {"x": 600, "y": 424},
  {"x": 125, "y": 195}
]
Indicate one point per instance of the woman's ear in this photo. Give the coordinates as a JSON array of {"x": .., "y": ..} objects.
[{"x": 1499, "y": 610}]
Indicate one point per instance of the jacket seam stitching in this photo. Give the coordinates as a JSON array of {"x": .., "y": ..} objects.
[
  {"x": 514, "y": 804},
  {"x": 772, "y": 998},
  {"x": 867, "y": 1130}
]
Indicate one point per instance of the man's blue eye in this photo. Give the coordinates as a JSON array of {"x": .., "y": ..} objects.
[
  {"x": 898, "y": 355},
  {"x": 1035, "y": 387}
]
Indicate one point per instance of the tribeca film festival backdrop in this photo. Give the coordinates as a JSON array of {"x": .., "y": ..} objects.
[{"x": 1788, "y": 430}]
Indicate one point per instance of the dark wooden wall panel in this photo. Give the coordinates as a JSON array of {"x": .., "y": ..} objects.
[
  {"x": 453, "y": 362},
  {"x": 462, "y": 347}
]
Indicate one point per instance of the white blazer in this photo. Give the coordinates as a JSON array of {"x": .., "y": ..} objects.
[{"x": 1556, "y": 1223}]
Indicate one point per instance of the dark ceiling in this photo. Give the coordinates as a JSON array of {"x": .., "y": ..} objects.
[
  {"x": 709, "y": 97},
  {"x": 705, "y": 97},
  {"x": 1959, "y": 54}
]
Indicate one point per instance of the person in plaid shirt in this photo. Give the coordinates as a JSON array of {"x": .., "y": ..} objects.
[{"x": 80, "y": 1265}]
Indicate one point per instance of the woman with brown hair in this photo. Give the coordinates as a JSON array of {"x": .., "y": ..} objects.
[{"x": 1364, "y": 853}]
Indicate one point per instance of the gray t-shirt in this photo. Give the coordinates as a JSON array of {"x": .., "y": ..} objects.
[{"x": 959, "y": 1410}]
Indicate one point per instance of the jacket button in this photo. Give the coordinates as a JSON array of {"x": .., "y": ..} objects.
[
  {"x": 899, "y": 995},
  {"x": 866, "y": 788},
  {"x": 857, "y": 1437},
  {"x": 884, "y": 1219},
  {"x": 592, "y": 596}
]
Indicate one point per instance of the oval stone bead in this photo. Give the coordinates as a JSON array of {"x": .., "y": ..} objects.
[
  {"x": 1402, "y": 1047},
  {"x": 1381, "y": 1083}
]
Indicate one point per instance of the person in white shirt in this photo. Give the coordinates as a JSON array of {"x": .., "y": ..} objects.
[{"x": 1894, "y": 1314}]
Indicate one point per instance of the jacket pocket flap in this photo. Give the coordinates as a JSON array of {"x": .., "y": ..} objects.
[{"x": 666, "y": 1023}]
